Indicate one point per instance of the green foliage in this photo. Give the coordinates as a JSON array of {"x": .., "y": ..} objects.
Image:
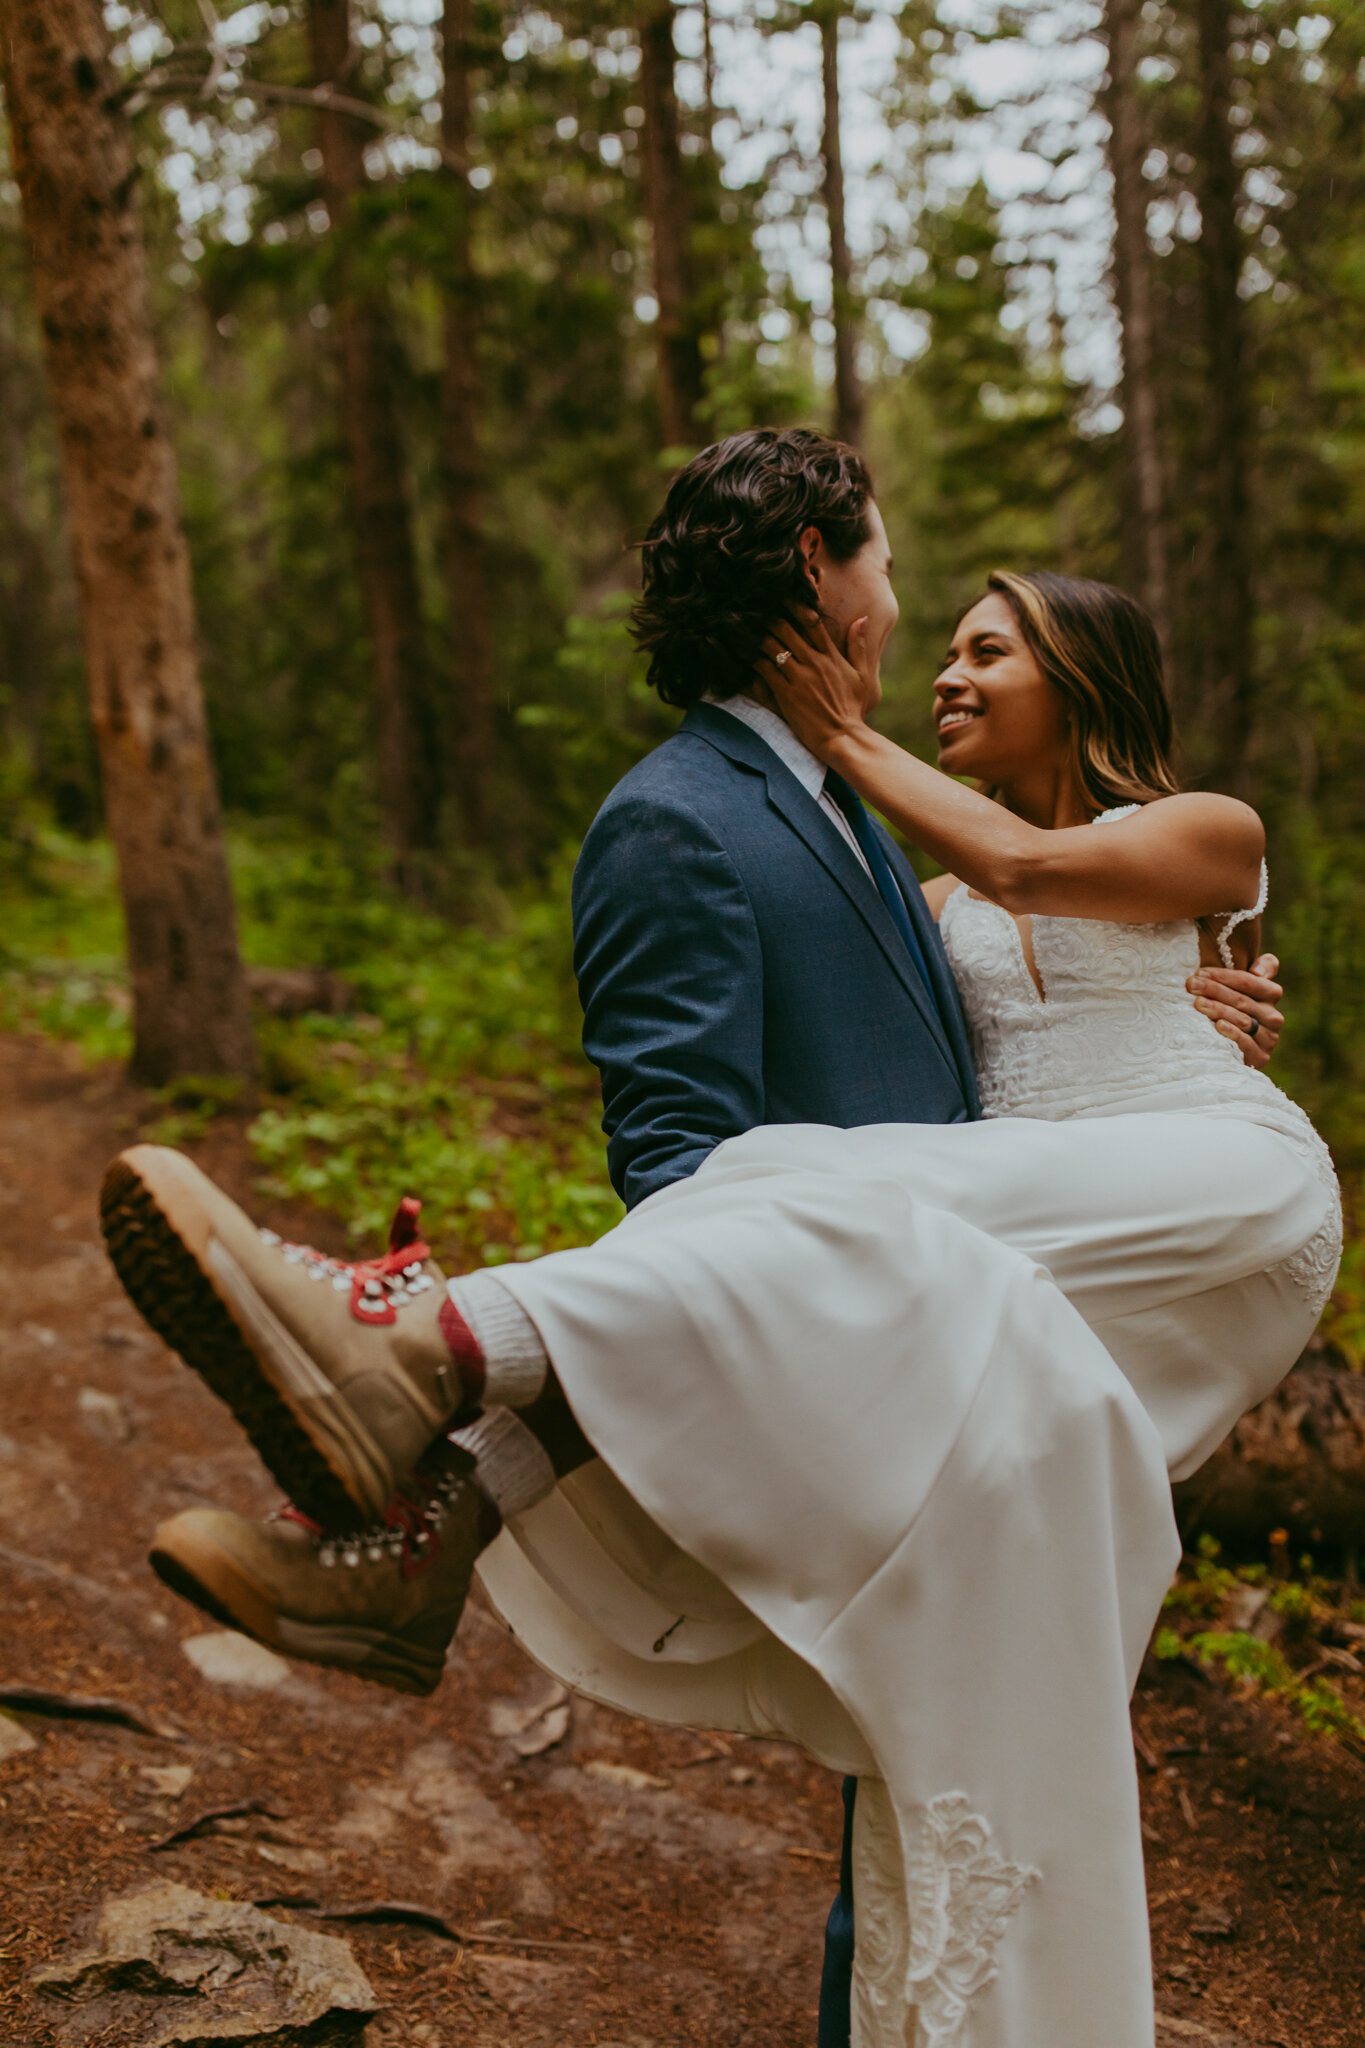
[
  {"x": 1264, "y": 1668},
  {"x": 596, "y": 717},
  {"x": 456, "y": 1073},
  {"x": 1297, "y": 1609},
  {"x": 986, "y": 448},
  {"x": 61, "y": 950},
  {"x": 1205, "y": 1584},
  {"x": 457, "y": 1077},
  {"x": 1304, "y": 1614},
  {"x": 568, "y": 425},
  {"x": 1298, "y": 106}
]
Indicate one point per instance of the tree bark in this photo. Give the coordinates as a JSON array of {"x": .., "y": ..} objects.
[
  {"x": 74, "y": 163},
  {"x": 1297, "y": 1462},
  {"x": 381, "y": 514},
  {"x": 708, "y": 70},
  {"x": 681, "y": 369},
  {"x": 1147, "y": 540},
  {"x": 24, "y": 582},
  {"x": 1229, "y": 603},
  {"x": 848, "y": 391},
  {"x": 463, "y": 476}
]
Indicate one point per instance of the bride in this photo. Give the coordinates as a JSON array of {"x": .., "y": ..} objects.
[{"x": 884, "y": 1418}]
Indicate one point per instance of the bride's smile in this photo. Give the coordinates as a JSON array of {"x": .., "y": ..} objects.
[{"x": 995, "y": 712}]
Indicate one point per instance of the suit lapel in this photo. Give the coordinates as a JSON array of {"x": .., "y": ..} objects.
[{"x": 800, "y": 810}]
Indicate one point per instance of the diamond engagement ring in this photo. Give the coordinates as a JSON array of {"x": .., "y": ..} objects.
[{"x": 783, "y": 658}]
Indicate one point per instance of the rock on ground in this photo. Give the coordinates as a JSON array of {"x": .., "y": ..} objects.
[
  {"x": 169, "y": 1966},
  {"x": 225, "y": 1658}
]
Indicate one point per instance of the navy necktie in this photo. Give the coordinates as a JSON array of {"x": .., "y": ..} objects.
[{"x": 861, "y": 825}]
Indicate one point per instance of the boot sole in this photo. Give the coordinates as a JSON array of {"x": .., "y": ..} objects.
[
  {"x": 217, "y": 1585},
  {"x": 185, "y": 1283}
]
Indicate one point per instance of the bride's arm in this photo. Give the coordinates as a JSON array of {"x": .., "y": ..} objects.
[{"x": 1180, "y": 856}]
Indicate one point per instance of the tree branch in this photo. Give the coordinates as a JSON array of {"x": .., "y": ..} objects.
[{"x": 179, "y": 85}]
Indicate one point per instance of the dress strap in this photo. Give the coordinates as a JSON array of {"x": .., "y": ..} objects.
[{"x": 1226, "y": 926}]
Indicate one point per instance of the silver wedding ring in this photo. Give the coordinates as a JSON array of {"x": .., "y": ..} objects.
[{"x": 783, "y": 658}]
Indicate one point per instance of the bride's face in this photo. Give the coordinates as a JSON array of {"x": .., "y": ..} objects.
[{"x": 998, "y": 717}]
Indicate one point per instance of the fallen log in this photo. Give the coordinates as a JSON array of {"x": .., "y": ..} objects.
[
  {"x": 1297, "y": 1462},
  {"x": 294, "y": 991}
]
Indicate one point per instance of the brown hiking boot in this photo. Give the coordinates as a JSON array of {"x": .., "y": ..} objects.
[
  {"x": 382, "y": 1603},
  {"x": 338, "y": 1371}
]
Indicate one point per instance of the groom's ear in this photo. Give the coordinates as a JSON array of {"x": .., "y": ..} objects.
[{"x": 812, "y": 545}]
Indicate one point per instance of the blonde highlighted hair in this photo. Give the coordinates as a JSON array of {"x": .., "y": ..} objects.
[{"x": 1099, "y": 650}]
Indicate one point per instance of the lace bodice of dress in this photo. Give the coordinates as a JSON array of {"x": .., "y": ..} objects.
[{"x": 1113, "y": 1029}]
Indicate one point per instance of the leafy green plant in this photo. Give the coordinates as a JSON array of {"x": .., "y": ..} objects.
[
  {"x": 1304, "y": 1610},
  {"x": 1208, "y": 1585},
  {"x": 1266, "y": 1669},
  {"x": 456, "y": 1075}
]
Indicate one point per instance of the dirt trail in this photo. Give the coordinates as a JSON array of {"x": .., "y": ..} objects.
[{"x": 610, "y": 1912}]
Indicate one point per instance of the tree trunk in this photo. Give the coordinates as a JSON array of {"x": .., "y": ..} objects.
[
  {"x": 1297, "y": 1462},
  {"x": 24, "y": 591},
  {"x": 848, "y": 391},
  {"x": 681, "y": 381},
  {"x": 381, "y": 515},
  {"x": 1228, "y": 601},
  {"x": 471, "y": 626},
  {"x": 74, "y": 162},
  {"x": 1146, "y": 540},
  {"x": 708, "y": 71}
]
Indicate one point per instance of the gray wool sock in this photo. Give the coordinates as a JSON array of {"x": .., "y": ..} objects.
[
  {"x": 512, "y": 1468},
  {"x": 515, "y": 1360}
]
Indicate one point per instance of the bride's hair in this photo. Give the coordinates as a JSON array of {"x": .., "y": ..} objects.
[
  {"x": 723, "y": 558},
  {"x": 1099, "y": 650}
]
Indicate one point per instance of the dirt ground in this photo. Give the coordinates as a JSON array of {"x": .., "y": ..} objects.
[{"x": 683, "y": 1904}]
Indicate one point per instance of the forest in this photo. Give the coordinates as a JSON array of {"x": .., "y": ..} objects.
[
  {"x": 436, "y": 297},
  {"x": 347, "y": 348},
  {"x": 395, "y": 323}
]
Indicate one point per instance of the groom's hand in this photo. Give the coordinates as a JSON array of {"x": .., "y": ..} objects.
[{"x": 1241, "y": 1003}]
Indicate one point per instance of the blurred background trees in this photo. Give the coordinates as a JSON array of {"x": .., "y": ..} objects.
[
  {"x": 74, "y": 163},
  {"x": 443, "y": 288}
]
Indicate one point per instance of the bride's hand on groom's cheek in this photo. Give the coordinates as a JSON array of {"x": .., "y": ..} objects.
[
  {"x": 820, "y": 689},
  {"x": 1242, "y": 1003}
]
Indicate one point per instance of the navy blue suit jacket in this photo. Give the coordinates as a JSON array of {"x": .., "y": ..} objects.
[{"x": 738, "y": 967}]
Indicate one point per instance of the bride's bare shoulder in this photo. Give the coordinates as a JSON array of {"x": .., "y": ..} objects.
[
  {"x": 937, "y": 892},
  {"x": 1203, "y": 814}
]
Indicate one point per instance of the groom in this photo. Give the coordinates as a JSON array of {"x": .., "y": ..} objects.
[{"x": 752, "y": 947}]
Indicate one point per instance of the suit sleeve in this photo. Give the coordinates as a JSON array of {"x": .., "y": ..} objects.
[{"x": 670, "y": 975}]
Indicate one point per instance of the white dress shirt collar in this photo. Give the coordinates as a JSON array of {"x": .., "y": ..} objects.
[{"x": 808, "y": 769}]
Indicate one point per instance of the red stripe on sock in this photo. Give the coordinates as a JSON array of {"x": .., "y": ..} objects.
[{"x": 470, "y": 1363}]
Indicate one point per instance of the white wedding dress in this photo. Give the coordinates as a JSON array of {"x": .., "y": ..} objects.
[{"x": 886, "y": 1419}]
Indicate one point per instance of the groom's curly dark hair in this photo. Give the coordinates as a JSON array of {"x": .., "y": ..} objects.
[{"x": 722, "y": 561}]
